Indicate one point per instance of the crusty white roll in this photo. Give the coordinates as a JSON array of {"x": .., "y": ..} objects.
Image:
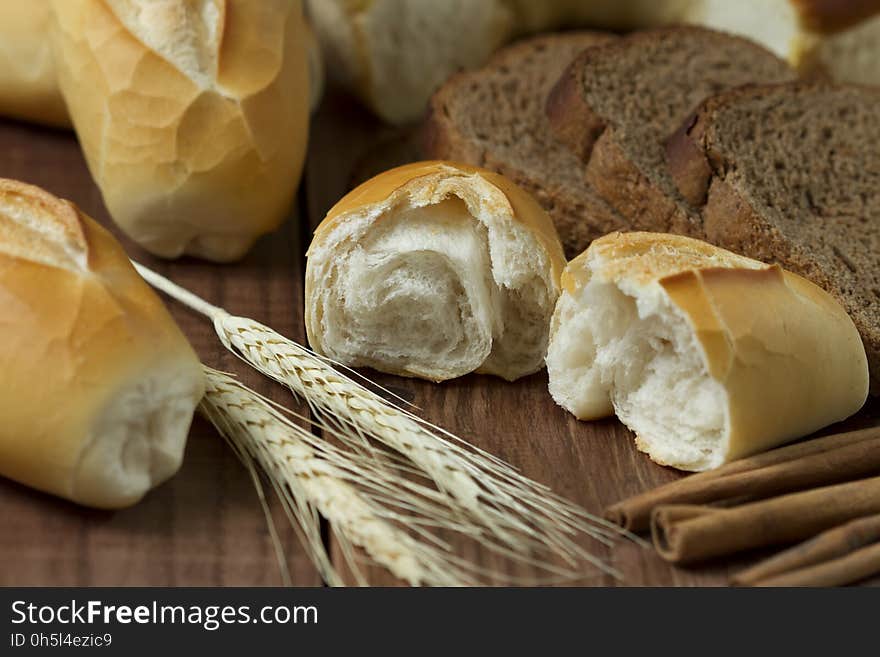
[
  {"x": 192, "y": 114},
  {"x": 98, "y": 385},
  {"x": 394, "y": 53},
  {"x": 28, "y": 85},
  {"x": 434, "y": 270},
  {"x": 706, "y": 355}
]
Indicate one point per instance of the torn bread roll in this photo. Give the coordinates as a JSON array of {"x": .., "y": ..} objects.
[
  {"x": 28, "y": 84},
  {"x": 434, "y": 270},
  {"x": 98, "y": 384},
  {"x": 193, "y": 115},
  {"x": 706, "y": 355}
]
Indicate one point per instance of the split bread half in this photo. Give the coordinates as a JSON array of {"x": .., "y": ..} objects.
[
  {"x": 706, "y": 355},
  {"x": 434, "y": 270},
  {"x": 192, "y": 114},
  {"x": 98, "y": 384}
]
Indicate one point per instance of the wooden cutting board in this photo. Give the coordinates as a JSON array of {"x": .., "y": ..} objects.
[{"x": 205, "y": 527}]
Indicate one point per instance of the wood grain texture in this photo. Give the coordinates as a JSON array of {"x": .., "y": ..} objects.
[{"x": 205, "y": 526}]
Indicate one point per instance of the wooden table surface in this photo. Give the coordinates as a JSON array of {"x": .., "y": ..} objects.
[{"x": 205, "y": 527}]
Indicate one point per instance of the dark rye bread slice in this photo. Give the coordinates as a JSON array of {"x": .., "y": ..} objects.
[
  {"x": 616, "y": 105},
  {"x": 494, "y": 117},
  {"x": 791, "y": 174}
]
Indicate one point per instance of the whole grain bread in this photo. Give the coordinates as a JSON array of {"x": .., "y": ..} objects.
[
  {"x": 791, "y": 174},
  {"x": 616, "y": 105},
  {"x": 494, "y": 117}
]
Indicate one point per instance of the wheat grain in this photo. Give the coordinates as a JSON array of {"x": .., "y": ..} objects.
[{"x": 503, "y": 510}]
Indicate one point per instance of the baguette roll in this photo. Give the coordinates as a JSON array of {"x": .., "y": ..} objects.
[
  {"x": 99, "y": 385},
  {"x": 28, "y": 84},
  {"x": 706, "y": 355},
  {"x": 394, "y": 53},
  {"x": 434, "y": 270},
  {"x": 193, "y": 115}
]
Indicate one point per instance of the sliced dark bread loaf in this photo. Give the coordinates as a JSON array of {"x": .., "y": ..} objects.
[
  {"x": 791, "y": 174},
  {"x": 494, "y": 117},
  {"x": 616, "y": 105}
]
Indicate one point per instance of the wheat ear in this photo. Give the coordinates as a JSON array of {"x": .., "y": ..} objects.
[
  {"x": 508, "y": 512},
  {"x": 312, "y": 478}
]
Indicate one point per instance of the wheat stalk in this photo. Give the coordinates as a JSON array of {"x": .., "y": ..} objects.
[
  {"x": 312, "y": 477},
  {"x": 503, "y": 510}
]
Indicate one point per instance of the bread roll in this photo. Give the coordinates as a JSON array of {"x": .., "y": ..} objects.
[
  {"x": 394, "y": 53},
  {"x": 98, "y": 384},
  {"x": 28, "y": 85},
  {"x": 434, "y": 270},
  {"x": 706, "y": 355},
  {"x": 192, "y": 114}
]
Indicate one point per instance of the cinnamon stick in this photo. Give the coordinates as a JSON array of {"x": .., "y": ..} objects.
[
  {"x": 689, "y": 533},
  {"x": 839, "y": 556},
  {"x": 809, "y": 464},
  {"x": 838, "y": 572}
]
